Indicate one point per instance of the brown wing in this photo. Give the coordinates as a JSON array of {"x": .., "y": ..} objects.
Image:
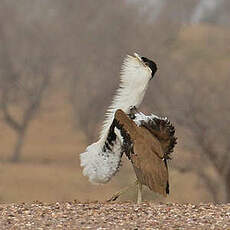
[
  {"x": 146, "y": 154},
  {"x": 148, "y": 162}
]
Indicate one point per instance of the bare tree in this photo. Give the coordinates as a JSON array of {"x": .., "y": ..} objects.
[
  {"x": 25, "y": 75},
  {"x": 29, "y": 104}
]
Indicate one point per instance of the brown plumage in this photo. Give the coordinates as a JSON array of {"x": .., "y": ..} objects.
[{"x": 148, "y": 147}]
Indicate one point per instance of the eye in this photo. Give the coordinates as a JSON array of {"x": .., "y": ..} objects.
[{"x": 145, "y": 60}]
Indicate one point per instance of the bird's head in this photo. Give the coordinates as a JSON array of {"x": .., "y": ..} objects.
[
  {"x": 147, "y": 63},
  {"x": 137, "y": 71}
]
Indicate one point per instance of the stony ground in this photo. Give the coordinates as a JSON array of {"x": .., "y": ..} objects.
[{"x": 125, "y": 215}]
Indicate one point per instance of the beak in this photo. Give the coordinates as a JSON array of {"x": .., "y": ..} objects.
[{"x": 139, "y": 59}]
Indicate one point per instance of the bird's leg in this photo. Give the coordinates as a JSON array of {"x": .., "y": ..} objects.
[{"x": 139, "y": 192}]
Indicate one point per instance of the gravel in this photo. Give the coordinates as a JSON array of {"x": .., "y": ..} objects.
[{"x": 120, "y": 215}]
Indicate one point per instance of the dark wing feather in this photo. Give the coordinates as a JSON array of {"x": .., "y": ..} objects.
[
  {"x": 164, "y": 131},
  {"x": 160, "y": 127}
]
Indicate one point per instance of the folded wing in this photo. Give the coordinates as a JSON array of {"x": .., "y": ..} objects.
[{"x": 145, "y": 152}]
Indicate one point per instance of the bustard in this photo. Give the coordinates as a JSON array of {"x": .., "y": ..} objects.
[{"x": 101, "y": 161}]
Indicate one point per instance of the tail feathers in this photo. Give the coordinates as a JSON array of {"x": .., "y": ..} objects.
[{"x": 100, "y": 164}]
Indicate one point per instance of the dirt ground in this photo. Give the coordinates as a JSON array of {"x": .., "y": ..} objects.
[{"x": 75, "y": 215}]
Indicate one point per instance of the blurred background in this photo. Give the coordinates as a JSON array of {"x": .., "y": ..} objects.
[{"x": 59, "y": 68}]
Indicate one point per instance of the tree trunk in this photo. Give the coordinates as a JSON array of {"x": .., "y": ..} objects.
[{"x": 18, "y": 147}]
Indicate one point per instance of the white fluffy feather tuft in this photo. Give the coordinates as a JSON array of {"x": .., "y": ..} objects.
[
  {"x": 140, "y": 117},
  {"x": 98, "y": 165},
  {"x": 101, "y": 165}
]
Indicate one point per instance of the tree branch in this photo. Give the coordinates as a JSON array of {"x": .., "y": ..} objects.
[{"x": 8, "y": 117}]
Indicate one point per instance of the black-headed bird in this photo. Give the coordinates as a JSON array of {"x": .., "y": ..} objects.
[{"x": 101, "y": 160}]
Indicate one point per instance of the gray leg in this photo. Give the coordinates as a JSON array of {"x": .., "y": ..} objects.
[{"x": 139, "y": 192}]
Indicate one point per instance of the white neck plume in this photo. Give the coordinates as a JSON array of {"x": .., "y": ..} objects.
[{"x": 134, "y": 81}]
